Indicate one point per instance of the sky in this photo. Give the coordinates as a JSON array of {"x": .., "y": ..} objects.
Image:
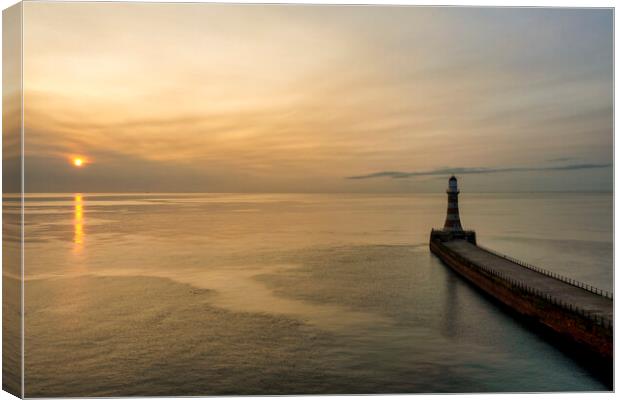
[{"x": 289, "y": 98}]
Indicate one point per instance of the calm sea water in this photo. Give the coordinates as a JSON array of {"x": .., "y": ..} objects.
[{"x": 197, "y": 294}]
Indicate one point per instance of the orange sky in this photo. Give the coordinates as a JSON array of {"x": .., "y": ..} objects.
[{"x": 204, "y": 97}]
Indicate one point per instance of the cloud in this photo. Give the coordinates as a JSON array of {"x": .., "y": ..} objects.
[
  {"x": 475, "y": 170},
  {"x": 560, "y": 159},
  {"x": 257, "y": 97}
]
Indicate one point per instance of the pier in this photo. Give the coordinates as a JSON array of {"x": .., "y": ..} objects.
[{"x": 575, "y": 313}]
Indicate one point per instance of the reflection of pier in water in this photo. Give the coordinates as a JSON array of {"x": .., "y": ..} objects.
[
  {"x": 451, "y": 307},
  {"x": 78, "y": 223}
]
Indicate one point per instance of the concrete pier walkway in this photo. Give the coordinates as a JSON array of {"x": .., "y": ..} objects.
[{"x": 587, "y": 302}]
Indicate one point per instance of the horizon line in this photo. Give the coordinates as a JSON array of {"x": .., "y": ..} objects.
[{"x": 312, "y": 192}]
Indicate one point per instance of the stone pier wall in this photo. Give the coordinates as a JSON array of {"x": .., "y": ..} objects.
[{"x": 592, "y": 338}]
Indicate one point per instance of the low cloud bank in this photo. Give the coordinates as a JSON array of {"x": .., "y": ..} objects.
[{"x": 475, "y": 170}]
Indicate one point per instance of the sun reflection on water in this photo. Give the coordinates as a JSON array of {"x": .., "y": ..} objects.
[{"x": 78, "y": 223}]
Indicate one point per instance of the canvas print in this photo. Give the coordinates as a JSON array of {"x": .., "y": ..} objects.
[{"x": 264, "y": 199}]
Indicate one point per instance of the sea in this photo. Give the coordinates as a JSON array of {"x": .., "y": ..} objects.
[{"x": 260, "y": 294}]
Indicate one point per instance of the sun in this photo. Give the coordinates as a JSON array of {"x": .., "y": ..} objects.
[{"x": 78, "y": 162}]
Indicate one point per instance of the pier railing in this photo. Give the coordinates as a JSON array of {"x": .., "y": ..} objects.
[
  {"x": 551, "y": 274},
  {"x": 593, "y": 317}
]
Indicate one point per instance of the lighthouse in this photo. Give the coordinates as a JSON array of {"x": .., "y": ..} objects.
[
  {"x": 453, "y": 221},
  {"x": 452, "y": 228}
]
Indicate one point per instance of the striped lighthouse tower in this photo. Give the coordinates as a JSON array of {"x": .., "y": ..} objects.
[{"x": 453, "y": 221}]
